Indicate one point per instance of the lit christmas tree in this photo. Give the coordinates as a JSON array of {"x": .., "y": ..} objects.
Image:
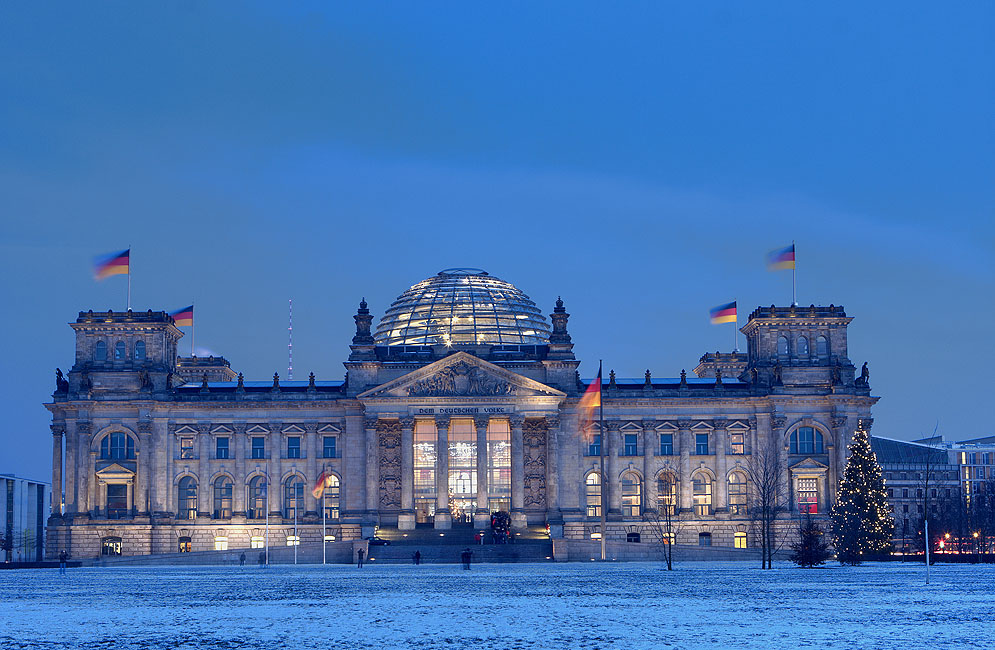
[{"x": 862, "y": 523}]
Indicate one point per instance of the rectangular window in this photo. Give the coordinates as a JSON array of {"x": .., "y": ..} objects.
[
  {"x": 117, "y": 500},
  {"x": 257, "y": 541},
  {"x": 739, "y": 540},
  {"x": 425, "y": 443},
  {"x": 186, "y": 448},
  {"x": 631, "y": 445},
  {"x": 594, "y": 447},
  {"x": 258, "y": 447},
  {"x": 701, "y": 444},
  {"x": 221, "y": 448},
  {"x": 498, "y": 463},
  {"x": 891, "y": 493},
  {"x": 328, "y": 447},
  {"x": 293, "y": 446},
  {"x": 905, "y": 493},
  {"x": 808, "y": 495},
  {"x": 666, "y": 444},
  {"x": 220, "y": 543},
  {"x": 737, "y": 442}
]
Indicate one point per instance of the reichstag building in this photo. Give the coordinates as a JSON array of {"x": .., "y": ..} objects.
[{"x": 462, "y": 402}]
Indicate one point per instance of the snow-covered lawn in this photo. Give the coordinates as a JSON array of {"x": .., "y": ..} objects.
[{"x": 506, "y": 607}]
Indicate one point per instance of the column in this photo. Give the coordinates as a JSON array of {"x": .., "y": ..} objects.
[
  {"x": 518, "y": 519},
  {"x": 722, "y": 484},
  {"x": 777, "y": 423},
  {"x": 443, "y": 518},
  {"x": 481, "y": 517},
  {"x": 91, "y": 477},
  {"x": 83, "y": 474},
  {"x": 651, "y": 443},
  {"x": 684, "y": 435},
  {"x": 239, "y": 449},
  {"x": 58, "y": 432},
  {"x": 72, "y": 444},
  {"x": 372, "y": 464},
  {"x": 169, "y": 447},
  {"x": 205, "y": 491},
  {"x": 311, "y": 473},
  {"x": 143, "y": 481},
  {"x": 614, "y": 495},
  {"x": 406, "y": 520},
  {"x": 553, "y": 474},
  {"x": 274, "y": 486}
]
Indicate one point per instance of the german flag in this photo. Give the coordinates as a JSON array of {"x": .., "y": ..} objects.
[
  {"x": 723, "y": 313},
  {"x": 320, "y": 485},
  {"x": 183, "y": 317},
  {"x": 783, "y": 258},
  {"x": 590, "y": 401},
  {"x": 113, "y": 264}
]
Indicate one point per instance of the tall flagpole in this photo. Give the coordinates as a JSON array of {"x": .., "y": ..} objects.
[
  {"x": 601, "y": 453},
  {"x": 735, "y": 331},
  {"x": 297, "y": 504},
  {"x": 324, "y": 532},
  {"x": 193, "y": 329},
  {"x": 794, "y": 265},
  {"x": 129, "y": 277},
  {"x": 267, "y": 518}
]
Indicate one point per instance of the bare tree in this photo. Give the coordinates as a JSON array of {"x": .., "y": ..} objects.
[
  {"x": 768, "y": 497},
  {"x": 664, "y": 521}
]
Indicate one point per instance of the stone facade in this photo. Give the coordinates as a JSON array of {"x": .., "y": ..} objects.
[{"x": 440, "y": 434}]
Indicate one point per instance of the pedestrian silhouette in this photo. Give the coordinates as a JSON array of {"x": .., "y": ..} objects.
[{"x": 359, "y": 554}]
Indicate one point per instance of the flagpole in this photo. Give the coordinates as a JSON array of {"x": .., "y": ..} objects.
[
  {"x": 129, "y": 277},
  {"x": 735, "y": 331},
  {"x": 794, "y": 265},
  {"x": 297, "y": 504},
  {"x": 193, "y": 329},
  {"x": 267, "y": 519},
  {"x": 324, "y": 532},
  {"x": 601, "y": 453}
]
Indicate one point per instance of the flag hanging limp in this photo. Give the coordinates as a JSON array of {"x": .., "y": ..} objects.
[
  {"x": 183, "y": 317},
  {"x": 783, "y": 258},
  {"x": 723, "y": 313},
  {"x": 113, "y": 264}
]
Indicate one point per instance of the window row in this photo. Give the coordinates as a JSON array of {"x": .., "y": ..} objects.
[
  {"x": 190, "y": 506},
  {"x": 801, "y": 347},
  {"x": 120, "y": 351},
  {"x": 703, "y": 446},
  {"x": 257, "y": 447},
  {"x": 668, "y": 500}
]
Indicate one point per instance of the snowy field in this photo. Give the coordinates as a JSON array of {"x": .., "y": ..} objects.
[{"x": 506, "y": 607}]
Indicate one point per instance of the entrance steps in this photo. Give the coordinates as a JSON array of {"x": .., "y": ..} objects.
[{"x": 445, "y": 546}]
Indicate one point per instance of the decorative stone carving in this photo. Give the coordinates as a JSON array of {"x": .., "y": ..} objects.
[
  {"x": 461, "y": 378},
  {"x": 534, "y": 436},
  {"x": 145, "y": 426},
  {"x": 839, "y": 421},
  {"x": 864, "y": 424},
  {"x": 240, "y": 387},
  {"x": 61, "y": 383},
  {"x": 684, "y": 424},
  {"x": 778, "y": 421},
  {"x": 370, "y": 422},
  {"x": 389, "y": 434},
  {"x": 407, "y": 422},
  {"x": 516, "y": 420}
]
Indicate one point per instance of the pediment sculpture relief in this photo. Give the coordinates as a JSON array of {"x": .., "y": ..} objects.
[{"x": 460, "y": 379}]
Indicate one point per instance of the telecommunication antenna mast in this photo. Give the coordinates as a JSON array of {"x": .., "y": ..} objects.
[{"x": 290, "y": 344}]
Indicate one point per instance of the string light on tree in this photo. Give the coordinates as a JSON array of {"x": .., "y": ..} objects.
[{"x": 862, "y": 523}]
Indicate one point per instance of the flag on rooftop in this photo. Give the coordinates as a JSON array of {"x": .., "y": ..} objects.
[
  {"x": 183, "y": 317},
  {"x": 783, "y": 258},
  {"x": 723, "y": 313},
  {"x": 589, "y": 401},
  {"x": 112, "y": 264}
]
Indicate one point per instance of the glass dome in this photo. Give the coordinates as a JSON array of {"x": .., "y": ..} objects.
[{"x": 463, "y": 307}]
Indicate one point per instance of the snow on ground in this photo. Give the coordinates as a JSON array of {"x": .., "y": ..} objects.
[{"x": 507, "y": 607}]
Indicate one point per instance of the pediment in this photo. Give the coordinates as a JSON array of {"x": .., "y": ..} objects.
[
  {"x": 115, "y": 471},
  {"x": 462, "y": 375},
  {"x": 329, "y": 428},
  {"x": 293, "y": 428},
  {"x": 186, "y": 428},
  {"x": 809, "y": 464},
  {"x": 255, "y": 428}
]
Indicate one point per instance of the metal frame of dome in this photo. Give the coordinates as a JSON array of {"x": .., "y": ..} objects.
[{"x": 463, "y": 306}]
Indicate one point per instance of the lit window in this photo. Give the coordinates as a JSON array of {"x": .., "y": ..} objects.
[
  {"x": 739, "y": 540},
  {"x": 594, "y": 447},
  {"x": 666, "y": 485},
  {"x": 110, "y": 546},
  {"x": 293, "y": 497},
  {"x": 666, "y": 444},
  {"x": 702, "y": 494},
  {"x": 184, "y": 545},
  {"x": 593, "y": 493},
  {"x": 257, "y": 541},
  {"x": 187, "y": 498},
  {"x": 631, "y": 495},
  {"x": 737, "y": 441},
  {"x": 293, "y": 540},
  {"x": 257, "y": 498},
  {"x": 331, "y": 497},
  {"x": 737, "y": 493},
  {"x": 631, "y": 445},
  {"x": 808, "y": 495},
  {"x": 186, "y": 448},
  {"x": 223, "y": 489},
  {"x": 220, "y": 543}
]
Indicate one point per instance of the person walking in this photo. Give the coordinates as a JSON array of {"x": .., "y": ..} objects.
[
  {"x": 63, "y": 556},
  {"x": 359, "y": 554},
  {"x": 416, "y": 558},
  {"x": 241, "y": 559},
  {"x": 262, "y": 559}
]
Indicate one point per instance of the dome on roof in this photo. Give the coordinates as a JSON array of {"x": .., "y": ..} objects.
[{"x": 463, "y": 307}]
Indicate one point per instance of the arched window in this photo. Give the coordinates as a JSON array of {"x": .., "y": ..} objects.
[
  {"x": 119, "y": 351},
  {"x": 184, "y": 545},
  {"x": 701, "y": 486},
  {"x": 256, "y": 500},
  {"x": 802, "y": 346},
  {"x": 782, "y": 346},
  {"x": 632, "y": 498},
  {"x": 822, "y": 347},
  {"x": 293, "y": 497},
  {"x": 100, "y": 351},
  {"x": 805, "y": 440},
  {"x": 139, "y": 350},
  {"x": 592, "y": 490},
  {"x": 110, "y": 546},
  {"x": 666, "y": 491},
  {"x": 737, "y": 493},
  {"x": 223, "y": 488},
  {"x": 117, "y": 446},
  {"x": 332, "y": 488},
  {"x": 187, "y": 498}
]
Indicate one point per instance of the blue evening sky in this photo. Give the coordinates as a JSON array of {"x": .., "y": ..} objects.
[{"x": 637, "y": 158}]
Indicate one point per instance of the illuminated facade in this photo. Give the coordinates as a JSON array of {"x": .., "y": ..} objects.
[{"x": 463, "y": 402}]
